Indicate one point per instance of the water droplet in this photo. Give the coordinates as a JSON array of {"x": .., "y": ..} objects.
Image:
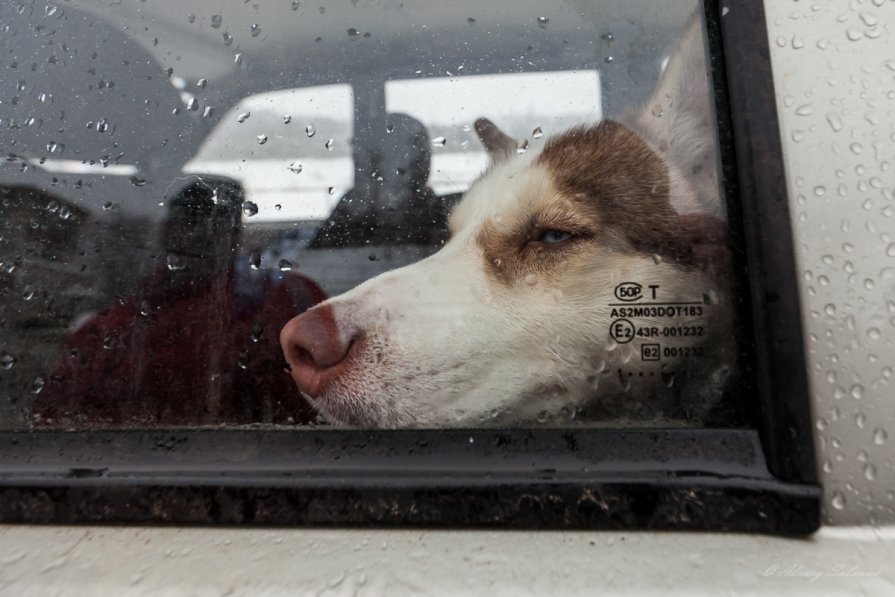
[
  {"x": 228, "y": 39},
  {"x": 439, "y": 142},
  {"x": 37, "y": 385},
  {"x": 890, "y": 250},
  {"x": 145, "y": 309},
  {"x": 216, "y": 21},
  {"x": 805, "y": 110},
  {"x": 255, "y": 261},
  {"x": 835, "y": 122},
  {"x": 6, "y": 360},
  {"x": 208, "y": 112},
  {"x": 869, "y": 472},
  {"x": 295, "y": 168},
  {"x": 50, "y": 10},
  {"x": 249, "y": 208},
  {"x": 874, "y": 333},
  {"x": 102, "y": 125},
  {"x": 880, "y": 436},
  {"x": 243, "y": 117},
  {"x": 295, "y": 4},
  {"x": 310, "y": 131},
  {"x": 797, "y": 43},
  {"x": 857, "y": 391},
  {"x": 28, "y": 293},
  {"x": 201, "y": 83},
  {"x": 329, "y": 145},
  {"x": 287, "y": 118},
  {"x": 608, "y": 59},
  {"x": 854, "y": 34},
  {"x": 856, "y": 148},
  {"x": 255, "y": 29},
  {"x": 860, "y": 420},
  {"x": 175, "y": 262},
  {"x": 138, "y": 182},
  {"x": 542, "y": 22},
  {"x": 285, "y": 265},
  {"x": 830, "y": 309},
  {"x": 522, "y": 146},
  {"x": 820, "y": 190},
  {"x": 869, "y": 18},
  {"x": 537, "y": 133},
  {"x": 192, "y": 105}
]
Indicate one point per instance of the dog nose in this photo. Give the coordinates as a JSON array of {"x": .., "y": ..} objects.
[{"x": 312, "y": 343}]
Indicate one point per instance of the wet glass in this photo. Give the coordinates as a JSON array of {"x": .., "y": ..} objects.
[{"x": 369, "y": 215}]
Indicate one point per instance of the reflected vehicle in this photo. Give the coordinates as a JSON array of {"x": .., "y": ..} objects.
[{"x": 344, "y": 137}]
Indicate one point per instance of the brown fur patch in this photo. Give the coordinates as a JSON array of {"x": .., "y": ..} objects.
[
  {"x": 612, "y": 171},
  {"x": 512, "y": 253}
]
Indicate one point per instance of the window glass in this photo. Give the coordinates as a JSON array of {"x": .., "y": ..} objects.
[{"x": 383, "y": 215}]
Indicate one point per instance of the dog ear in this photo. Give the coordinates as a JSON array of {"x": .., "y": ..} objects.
[
  {"x": 498, "y": 144},
  {"x": 679, "y": 121}
]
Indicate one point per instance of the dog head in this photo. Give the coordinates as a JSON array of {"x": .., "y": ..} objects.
[{"x": 511, "y": 322}]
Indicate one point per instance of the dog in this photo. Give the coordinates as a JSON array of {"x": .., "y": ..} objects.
[{"x": 585, "y": 281}]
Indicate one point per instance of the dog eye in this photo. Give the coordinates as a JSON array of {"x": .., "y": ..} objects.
[{"x": 553, "y": 236}]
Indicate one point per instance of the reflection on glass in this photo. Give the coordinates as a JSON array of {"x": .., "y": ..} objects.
[{"x": 180, "y": 183}]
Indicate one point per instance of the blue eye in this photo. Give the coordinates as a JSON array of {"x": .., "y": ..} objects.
[{"x": 554, "y": 236}]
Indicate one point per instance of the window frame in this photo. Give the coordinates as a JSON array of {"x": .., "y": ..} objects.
[{"x": 760, "y": 479}]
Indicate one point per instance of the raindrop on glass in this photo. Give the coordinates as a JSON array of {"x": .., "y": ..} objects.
[
  {"x": 192, "y": 105},
  {"x": 329, "y": 145},
  {"x": 542, "y": 22},
  {"x": 310, "y": 131},
  {"x": 439, "y": 142},
  {"x": 175, "y": 263},
  {"x": 537, "y": 133},
  {"x": 295, "y": 168},
  {"x": 37, "y": 385},
  {"x": 6, "y": 360},
  {"x": 262, "y": 139},
  {"x": 869, "y": 472},
  {"x": 287, "y": 118},
  {"x": 243, "y": 117},
  {"x": 249, "y": 208},
  {"x": 216, "y": 21},
  {"x": 285, "y": 265}
]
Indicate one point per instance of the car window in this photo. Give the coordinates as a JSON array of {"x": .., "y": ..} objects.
[{"x": 379, "y": 216}]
